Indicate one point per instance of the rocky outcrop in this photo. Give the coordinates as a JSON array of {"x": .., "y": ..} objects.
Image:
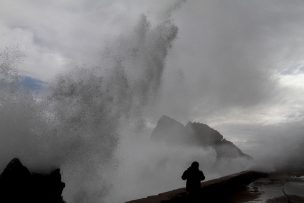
[
  {"x": 18, "y": 184},
  {"x": 195, "y": 134},
  {"x": 171, "y": 131}
]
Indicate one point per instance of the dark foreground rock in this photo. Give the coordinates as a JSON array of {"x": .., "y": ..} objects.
[
  {"x": 286, "y": 199},
  {"x": 221, "y": 190},
  {"x": 18, "y": 184},
  {"x": 195, "y": 134}
]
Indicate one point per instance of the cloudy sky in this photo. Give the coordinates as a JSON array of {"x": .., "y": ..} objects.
[{"x": 236, "y": 65}]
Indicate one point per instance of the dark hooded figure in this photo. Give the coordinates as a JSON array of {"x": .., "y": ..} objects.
[{"x": 194, "y": 176}]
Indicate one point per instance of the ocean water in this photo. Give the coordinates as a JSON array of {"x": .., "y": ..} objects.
[{"x": 280, "y": 189}]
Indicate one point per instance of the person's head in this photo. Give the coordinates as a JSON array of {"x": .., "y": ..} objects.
[{"x": 195, "y": 164}]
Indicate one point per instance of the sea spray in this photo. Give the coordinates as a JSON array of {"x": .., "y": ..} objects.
[{"x": 75, "y": 123}]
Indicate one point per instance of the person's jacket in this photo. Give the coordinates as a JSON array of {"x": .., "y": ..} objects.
[{"x": 194, "y": 176}]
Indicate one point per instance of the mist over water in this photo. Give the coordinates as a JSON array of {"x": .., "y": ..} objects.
[
  {"x": 94, "y": 120},
  {"x": 77, "y": 124}
]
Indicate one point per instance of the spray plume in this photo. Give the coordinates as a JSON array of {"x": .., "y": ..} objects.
[{"x": 75, "y": 124}]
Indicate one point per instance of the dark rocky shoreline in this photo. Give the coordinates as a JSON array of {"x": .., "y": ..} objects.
[{"x": 18, "y": 184}]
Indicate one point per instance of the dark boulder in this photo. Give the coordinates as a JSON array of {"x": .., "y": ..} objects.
[{"x": 18, "y": 184}]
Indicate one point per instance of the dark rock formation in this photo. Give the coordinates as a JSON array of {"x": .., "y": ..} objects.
[
  {"x": 18, "y": 184},
  {"x": 195, "y": 134},
  {"x": 171, "y": 131}
]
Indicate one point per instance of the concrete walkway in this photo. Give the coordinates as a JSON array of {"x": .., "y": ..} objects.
[{"x": 216, "y": 190}]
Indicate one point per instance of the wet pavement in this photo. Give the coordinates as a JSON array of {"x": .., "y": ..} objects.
[
  {"x": 274, "y": 189},
  {"x": 243, "y": 187}
]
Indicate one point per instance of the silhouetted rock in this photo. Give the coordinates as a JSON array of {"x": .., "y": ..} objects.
[
  {"x": 170, "y": 130},
  {"x": 195, "y": 134},
  {"x": 18, "y": 184},
  {"x": 203, "y": 135}
]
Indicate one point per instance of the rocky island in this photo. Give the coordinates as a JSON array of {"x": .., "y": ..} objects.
[{"x": 195, "y": 134}]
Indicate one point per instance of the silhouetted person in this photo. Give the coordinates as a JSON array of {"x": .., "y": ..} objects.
[{"x": 194, "y": 176}]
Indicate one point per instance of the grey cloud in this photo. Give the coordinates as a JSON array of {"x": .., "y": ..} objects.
[
  {"x": 73, "y": 32},
  {"x": 227, "y": 53},
  {"x": 223, "y": 60}
]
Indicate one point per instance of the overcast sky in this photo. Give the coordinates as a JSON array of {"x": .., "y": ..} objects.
[{"x": 236, "y": 65}]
